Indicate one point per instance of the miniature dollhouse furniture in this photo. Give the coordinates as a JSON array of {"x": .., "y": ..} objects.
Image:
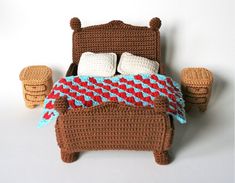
[
  {"x": 196, "y": 86},
  {"x": 113, "y": 125},
  {"x": 37, "y": 83}
]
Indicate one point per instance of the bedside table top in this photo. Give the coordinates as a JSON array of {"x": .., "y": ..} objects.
[
  {"x": 199, "y": 76},
  {"x": 36, "y": 73}
]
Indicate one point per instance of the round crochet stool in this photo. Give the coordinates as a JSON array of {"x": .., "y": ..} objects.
[
  {"x": 37, "y": 83},
  {"x": 196, "y": 87}
]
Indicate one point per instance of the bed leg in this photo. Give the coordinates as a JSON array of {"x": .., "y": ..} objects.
[
  {"x": 162, "y": 158},
  {"x": 69, "y": 157}
]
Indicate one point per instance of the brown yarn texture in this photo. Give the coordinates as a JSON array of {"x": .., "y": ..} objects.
[
  {"x": 37, "y": 83},
  {"x": 196, "y": 86},
  {"x": 113, "y": 125},
  {"x": 116, "y": 37}
]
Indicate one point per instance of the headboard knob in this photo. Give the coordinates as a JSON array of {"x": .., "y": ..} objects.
[
  {"x": 155, "y": 23},
  {"x": 75, "y": 24}
]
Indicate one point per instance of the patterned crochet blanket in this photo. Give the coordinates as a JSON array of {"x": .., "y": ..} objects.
[{"x": 135, "y": 90}]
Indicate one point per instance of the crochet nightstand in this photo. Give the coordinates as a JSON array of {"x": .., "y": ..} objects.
[
  {"x": 196, "y": 87},
  {"x": 37, "y": 83}
]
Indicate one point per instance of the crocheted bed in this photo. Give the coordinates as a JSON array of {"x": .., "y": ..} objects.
[{"x": 119, "y": 113}]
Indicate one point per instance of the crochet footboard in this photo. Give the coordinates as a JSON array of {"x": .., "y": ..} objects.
[{"x": 114, "y": 126}]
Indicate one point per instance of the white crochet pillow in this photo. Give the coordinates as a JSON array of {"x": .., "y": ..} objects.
[
  {"x": 97, "y": 64},
  {"x": 132, "y": 64}
]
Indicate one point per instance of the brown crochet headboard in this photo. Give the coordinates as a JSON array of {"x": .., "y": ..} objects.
[{"x": 117, "y": 37}]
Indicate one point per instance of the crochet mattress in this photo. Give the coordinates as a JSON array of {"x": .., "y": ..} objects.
[{"x": 135, "y": 90}]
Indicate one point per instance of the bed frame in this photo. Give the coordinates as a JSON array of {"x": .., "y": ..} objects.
[{"x": 112, "y": 125}]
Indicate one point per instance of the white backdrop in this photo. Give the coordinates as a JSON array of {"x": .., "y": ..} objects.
[{"x": 194, "y": 33}]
